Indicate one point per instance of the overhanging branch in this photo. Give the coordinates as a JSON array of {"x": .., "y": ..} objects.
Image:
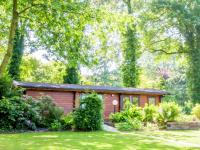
[{"x": 168, "y": 53}]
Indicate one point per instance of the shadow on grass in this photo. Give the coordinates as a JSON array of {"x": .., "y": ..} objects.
[{"x": 80, "y": 140}]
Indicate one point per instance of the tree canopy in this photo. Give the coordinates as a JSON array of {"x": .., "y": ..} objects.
[{"x": 147, "y": 44}]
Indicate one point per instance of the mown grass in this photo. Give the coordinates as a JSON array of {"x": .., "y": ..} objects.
[{"x": 156, "y": 140}]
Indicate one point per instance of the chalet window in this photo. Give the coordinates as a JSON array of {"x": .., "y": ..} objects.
[
  {"x": 128, "y": 100},
  {"x": 135, "y": 100},
  {"x": 83, "y": 95},
  {"x": 152, "y": 100}
]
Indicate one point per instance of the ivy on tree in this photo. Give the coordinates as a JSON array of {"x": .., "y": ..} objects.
[
  {"x": 18, "y": 47},
  {"x": 130, "y": 72}
]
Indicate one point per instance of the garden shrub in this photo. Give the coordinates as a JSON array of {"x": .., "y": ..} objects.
[
  {"x": 55, "y": 126},
  {"x": 67, "y": 121},
  {"x": 132, "y": 112},
  {"x": 136, "y": 123},
  {"x": 5, "y": 86},
  {"x": 124, "y": 126},
  {"x": 167, "y": 112},
  {"x": 129, "y": 125},
  {"x": 19, "y": 113},
  {"x": 196, "y": 111},
  {"x": 186, "y": 118},
  {"x": 88, "y": 116},
  {"x": 116, "y": 117},
  {"x": 187, "y": 107},
  {"x": 49, "y": 111},
  {"x": 150, "y": 112}
]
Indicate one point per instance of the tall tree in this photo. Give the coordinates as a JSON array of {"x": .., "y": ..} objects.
[
  {"x": 175, "y": 29},
  {"x": 130, "y": 72},
  {"x": 13, "y": 26},
  {"x": 18, "y": 48},
  {"x": 72, "y": 76}
]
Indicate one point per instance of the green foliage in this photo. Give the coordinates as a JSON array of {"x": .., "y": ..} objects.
[
  {"x": 196, "y": 111},
  {"x": 55, "y": 126},
  {"x": 133, "y": 112},
  {"x": 131, "y": 124},
  {"x": 150, "y": 112},
  {"x": 116, "y": 117},
  {"x": 49, "y": 111},
  {"x": 5, "y": 86},
  {"x": 130, "y": 72},
  {"x": 186, "y": 118},
  {"x": 18, "y": 48},
  {"x": 182, "y": 17},
  {"x": 67, "y": 121},
  {"x": 136, "y": 123},
  {"x": 33, "y": 70},
  {"x": 187, "y": 107},
  {"x": 88, "y": 116},
  {"x": 18, "y": 113},
  {"x": 124, "y": 126},
  {"x": 167, "y": 112},
  {"x": 72, "y": 75}
]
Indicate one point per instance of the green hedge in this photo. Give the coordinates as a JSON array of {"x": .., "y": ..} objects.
[{"x": 88, "y": 117}]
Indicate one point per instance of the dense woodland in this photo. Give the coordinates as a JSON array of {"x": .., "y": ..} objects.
[{"x": 131, "y": 43}]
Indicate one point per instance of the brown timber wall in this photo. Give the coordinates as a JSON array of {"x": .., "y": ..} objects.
[
  {"x": 108, "y": 106},
  {"x": 62, "y": 99},
  {"x": 69, "y": 100}
]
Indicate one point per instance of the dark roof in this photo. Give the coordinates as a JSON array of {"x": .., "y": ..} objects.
[{"x": 76, "y": 87}]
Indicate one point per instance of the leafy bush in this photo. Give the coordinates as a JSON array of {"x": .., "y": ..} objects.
[
  {"x": 49, "y": 111},
  {"x": 136, "y": 123},
  {"x": 116, "y": 117},
  {"x": 88, "y": 116},
  {"x": 19, "y": 113},
  {"x": 196, "y": 111},
  {"x": 129, "y": 125},
  {"x": 167, "y": 112},
  {"x": 124, "y": 126},
  {"x": 5, "y": 86},
  {"x": 150, "y": 112},
  {"x": 67, "y": 121},
  {"x": 187, "y": 107},
  {"x": 132, "y": 112},
  {"x": 55, "y": 126},
  {"x": 188, "y": 118}
]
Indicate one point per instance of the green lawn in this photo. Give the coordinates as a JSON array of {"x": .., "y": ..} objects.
[{"x": 156, "y": 140}]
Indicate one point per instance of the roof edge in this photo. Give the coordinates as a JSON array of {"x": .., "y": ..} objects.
[{"x": 77, "y": 87}]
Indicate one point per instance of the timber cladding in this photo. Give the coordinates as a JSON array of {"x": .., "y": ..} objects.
[
  {"x": 63, "y": 100},
  {"x": 108, "y": 106},
  {"x": 67, "y": 96},
  {"x": 68, "y": 100}
]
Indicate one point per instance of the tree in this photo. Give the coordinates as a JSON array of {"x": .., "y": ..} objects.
[
  {"x": 13, "y": 26},
  {"x": 14, "y": 67},
  {"x": 72, "y": 75},
  {"x": 178, "y": 32},
  {"x": 33, "y": 70},
  {"x": 130, "y": 72},
  {"x": 35, "y": 12}
]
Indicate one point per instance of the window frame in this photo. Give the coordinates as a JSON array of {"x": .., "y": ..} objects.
[
  {"x": 130, "y": 99},
  {"x": 138, "y": 97},
  {"x": 154, "y": 99}
]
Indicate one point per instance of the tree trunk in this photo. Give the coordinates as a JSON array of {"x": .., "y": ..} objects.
[{"x": 13, "y": 26}]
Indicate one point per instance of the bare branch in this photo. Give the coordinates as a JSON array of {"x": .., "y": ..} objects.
[
  {"x": 32, "y": 5},
  {"x": 168, "y": 53}
]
